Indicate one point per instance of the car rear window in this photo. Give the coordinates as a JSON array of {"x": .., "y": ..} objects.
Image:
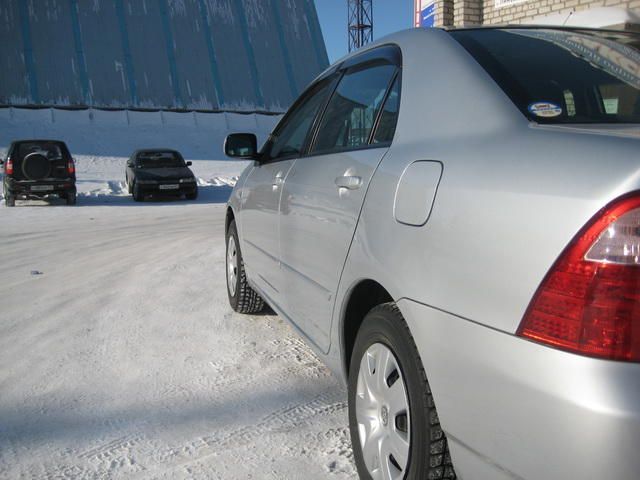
[
  {"x": 51, "y": 150},
  {"x": 160, "y": 160},
  {"x": 562, "y": 76}
]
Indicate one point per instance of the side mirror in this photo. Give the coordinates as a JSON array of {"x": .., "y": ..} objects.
[
  {"x": 241, "y": 145},
  {"x": 189, "y": 164}
]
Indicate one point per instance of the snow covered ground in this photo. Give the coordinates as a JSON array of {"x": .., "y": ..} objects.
[{"x": 119, "y": 354}]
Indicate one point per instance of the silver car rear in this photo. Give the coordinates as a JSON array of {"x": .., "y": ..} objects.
[{"x": 444, "y": 239}]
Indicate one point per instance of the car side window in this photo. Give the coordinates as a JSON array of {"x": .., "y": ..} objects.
[
  {"x": 289, "y": 138},
  {"x": 389, "y": 118},
  {"x": 352, "y": 111}
]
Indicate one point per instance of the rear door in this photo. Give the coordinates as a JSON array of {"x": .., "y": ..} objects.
[
  {"x": 29, "y": 164},
  {"x": 262, "y": 190},
  {"x": 324, "y": 190}
]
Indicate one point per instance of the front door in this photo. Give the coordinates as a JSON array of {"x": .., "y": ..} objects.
[
  {"x": 260, "y": 232},
  {"x": 262, "y": 191}
]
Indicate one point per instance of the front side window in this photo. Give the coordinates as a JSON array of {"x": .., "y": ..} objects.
[
  {"x": 562, "y": 76},
  {"x": 352, "y": 111},
  {"x": 289, "y": 138}
]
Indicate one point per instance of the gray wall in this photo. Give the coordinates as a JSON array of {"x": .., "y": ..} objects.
[{"x": 195, "y": 54}]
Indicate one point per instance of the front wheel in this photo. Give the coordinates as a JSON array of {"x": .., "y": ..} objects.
[
  {"x": 138, "y": 196},
  {"x": 242, "y": 297},
  {"x": 395, "y": 430},
  {"x": 193, "y": 195}
]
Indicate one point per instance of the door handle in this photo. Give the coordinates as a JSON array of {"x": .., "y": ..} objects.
[
  {"x": 350, "y": 182},
  {"x": 278, "y": 179}
]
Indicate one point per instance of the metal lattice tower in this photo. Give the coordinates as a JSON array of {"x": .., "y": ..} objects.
[{"x": 360, "y": 23}]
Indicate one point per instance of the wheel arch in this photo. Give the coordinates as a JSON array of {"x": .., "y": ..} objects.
[
  {"x": 229, "y": 217},
  {"x": 362, "y": 297}
]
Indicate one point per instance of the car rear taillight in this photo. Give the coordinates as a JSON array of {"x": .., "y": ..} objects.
[
  {"x": 589, "y": 302},
  {"x": 71, "y": 167},
  {"x": 8, "y": 167}
]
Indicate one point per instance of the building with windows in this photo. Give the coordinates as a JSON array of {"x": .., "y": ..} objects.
[
  {"x": 619, "y": 14},
  {"x": 233, "y": 55}
]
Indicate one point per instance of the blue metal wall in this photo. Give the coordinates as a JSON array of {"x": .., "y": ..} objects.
[{"x": 193, "y": 54}]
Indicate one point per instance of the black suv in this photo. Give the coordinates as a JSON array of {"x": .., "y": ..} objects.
[
  {"x": 159, "y": 171},
  {"x": 38, "y": 168}
]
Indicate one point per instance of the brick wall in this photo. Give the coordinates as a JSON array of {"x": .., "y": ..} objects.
[
  {"x": 444, "y": 13},
  {"x": 478, "y": 12},
  {"x": 525, "y": 11},
  {"x": 467, "y": 12}
]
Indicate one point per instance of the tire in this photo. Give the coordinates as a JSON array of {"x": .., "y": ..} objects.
[
  {"x": 192, "y": 196},
  {"x": 36, "y": 166},
  {"x": 10, "y": 201},
  {"x": 71, "y": 198},
  {"x": 129, "y": 187},
  {"x": 137, "y": 193},
  {"x": 423, "y": 451},
  {"x": 242, "y": 297}
]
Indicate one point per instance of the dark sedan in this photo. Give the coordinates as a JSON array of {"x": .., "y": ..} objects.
[{"x": 160, "y": 172}]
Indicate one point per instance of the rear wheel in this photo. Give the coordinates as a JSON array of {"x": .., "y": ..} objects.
[
  {"x": 242, "y": 297},
  {"x": 71, "y": 198},
  {"x": 137, "y": 193},
  {"x": 395, "y": 430},
  {"x": 10, "y": 201}
]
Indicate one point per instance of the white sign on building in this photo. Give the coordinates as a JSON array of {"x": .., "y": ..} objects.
[{"x": 508, "y": 3}]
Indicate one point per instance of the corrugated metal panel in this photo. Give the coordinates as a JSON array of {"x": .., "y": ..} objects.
[{"x": 193, "y": 54}]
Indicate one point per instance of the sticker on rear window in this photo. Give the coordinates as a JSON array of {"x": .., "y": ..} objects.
[{"x": 545, "y": 109}]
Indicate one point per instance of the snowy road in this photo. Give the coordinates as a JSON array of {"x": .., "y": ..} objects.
[{"x": 120, "y": 358}]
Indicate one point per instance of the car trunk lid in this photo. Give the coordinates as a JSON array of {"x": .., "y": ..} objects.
[{"x": 628, "y": 130}]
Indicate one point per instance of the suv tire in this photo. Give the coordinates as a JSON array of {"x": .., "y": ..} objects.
[
  {"x": 71, "y": 198},
  {"x": 413, "y": 420},
  {"x": 10, "y": 201}
]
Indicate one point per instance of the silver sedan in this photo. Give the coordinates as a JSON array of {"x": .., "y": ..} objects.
[{"x": 451, "y": 219}]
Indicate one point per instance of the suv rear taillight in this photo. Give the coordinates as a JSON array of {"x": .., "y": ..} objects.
[
  {"x": 8, "y": 167},
  {"x": 589, "y": 302},
  {"x": 71, "y": 167}
]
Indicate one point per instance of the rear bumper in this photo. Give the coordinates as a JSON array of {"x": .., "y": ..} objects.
[
  {"x": 39, "y": 188},
  {"x": 515, "y": 409}
]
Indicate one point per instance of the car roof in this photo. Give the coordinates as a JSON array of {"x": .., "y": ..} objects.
[
  {"x": 401, "y": 37},
  {"x": 524, "y": 26},
  {"x": 156, "y": 150},
  {"x": 37, "y": 140}
]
